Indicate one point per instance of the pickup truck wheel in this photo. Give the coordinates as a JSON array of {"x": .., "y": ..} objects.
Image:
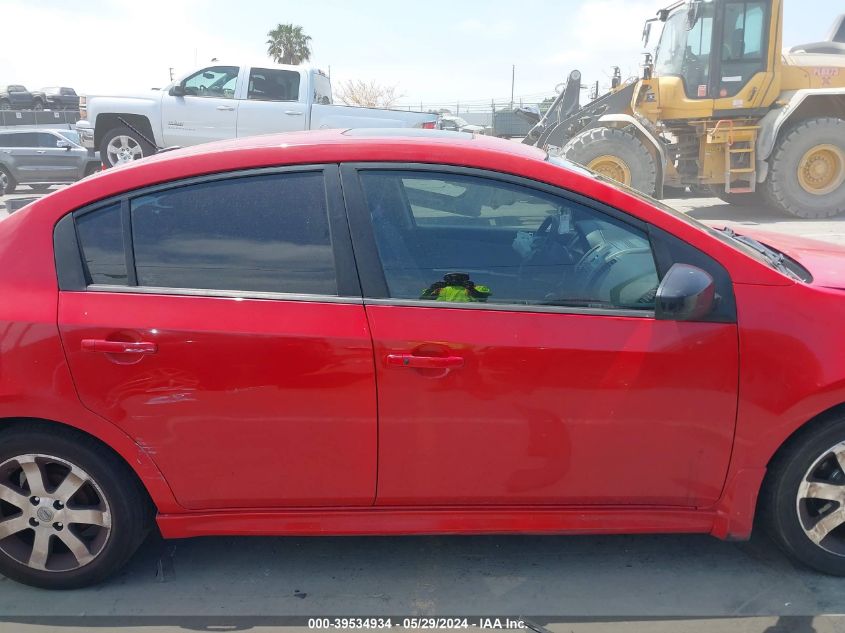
[
  {"x": 5, "y": 105},
  {"x": 121, "y": 145},
  {"x": 7, "y": 183},
  {"x": 803, "y": 503},
  {"x": 38, "y": 105}
]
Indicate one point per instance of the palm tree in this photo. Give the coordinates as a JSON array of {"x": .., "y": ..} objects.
[{"x": 288, "y": 44}]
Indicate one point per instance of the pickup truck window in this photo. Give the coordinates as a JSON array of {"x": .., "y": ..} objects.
[
  {"x": 322, "y": 89},
  {"x": 267, "y": 84},
  {"x": 215, "y": 82}
]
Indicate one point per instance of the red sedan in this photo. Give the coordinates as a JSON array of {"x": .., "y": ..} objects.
[{"x": 404, "y": 333}]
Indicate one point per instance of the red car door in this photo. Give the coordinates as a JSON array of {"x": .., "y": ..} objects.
[
  {"x": 219, "y": 327},
  {"x": 518, "y": 357}
]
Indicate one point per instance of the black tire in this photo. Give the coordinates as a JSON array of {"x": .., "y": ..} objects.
[
  {"x": 779, "y": 500},
  {"x": 38, "y": 105},
  {"x": 783, "y": 187},
  {"x": 7, "y": 182},
  {"x": 40, "y": 188},
  {"x": 624, "y": 145},
  {"x": 5, "y": 104},
  {"x": 146, "y": 148},
  {"x": 129, "y": 505}
]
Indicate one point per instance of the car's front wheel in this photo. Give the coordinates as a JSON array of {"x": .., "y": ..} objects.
[
  {"x": 804, "y": 498},
  {"x": 71, "y": 513}
]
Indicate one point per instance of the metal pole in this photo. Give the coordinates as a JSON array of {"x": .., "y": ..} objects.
[{"x": 513, "y": 83}]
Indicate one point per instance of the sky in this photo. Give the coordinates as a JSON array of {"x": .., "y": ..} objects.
[{"x": 437, "y": 52}]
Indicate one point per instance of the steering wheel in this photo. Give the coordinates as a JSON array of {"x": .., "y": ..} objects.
[{"x": 551, "y": 252}]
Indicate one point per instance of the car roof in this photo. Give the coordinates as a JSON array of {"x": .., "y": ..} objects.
[
  {"x": 390, "y": 143},
  {"x": 30, "y": 130}
]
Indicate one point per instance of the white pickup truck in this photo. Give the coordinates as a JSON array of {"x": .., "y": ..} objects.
[{"x": 221, "y": 102}]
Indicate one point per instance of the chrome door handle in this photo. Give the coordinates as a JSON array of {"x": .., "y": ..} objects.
[
  {"x": 41, "y": 151},
  {"x": 293, "y": 113},
  {"x": 118, "y": 347},
  {"x": 424, "y": 362},
  {"x": 226, "y": 108}
]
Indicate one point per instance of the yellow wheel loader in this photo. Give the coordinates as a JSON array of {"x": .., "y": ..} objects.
[{"x": 719, "y": 106}]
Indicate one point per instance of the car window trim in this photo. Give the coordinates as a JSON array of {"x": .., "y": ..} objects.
[
  {"x": 70, "y": 260},
  {"x": 371, "y": 272},
  {"x": 211, "y": 293},
  {"x": 513, "y": 307}
]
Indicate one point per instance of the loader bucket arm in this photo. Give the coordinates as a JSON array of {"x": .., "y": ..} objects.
[
  {"x": 567, "y": 102},
  {"x": 557, "y": 132}
]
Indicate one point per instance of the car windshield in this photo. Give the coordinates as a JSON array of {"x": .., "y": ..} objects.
[{"x": 684, "y": 48}]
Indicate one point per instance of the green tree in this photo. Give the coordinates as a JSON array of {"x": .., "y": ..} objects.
[{"x": 288, "y": 44}]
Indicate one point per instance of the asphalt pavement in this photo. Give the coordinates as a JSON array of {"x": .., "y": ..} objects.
[{"x": 578, "y": 583}]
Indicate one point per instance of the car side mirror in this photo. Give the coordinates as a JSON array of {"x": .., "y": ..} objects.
[
  {"x": 686, "y": 293},
  {"x": 178, "y": 91},
  {"x": 61, "y": 143}
]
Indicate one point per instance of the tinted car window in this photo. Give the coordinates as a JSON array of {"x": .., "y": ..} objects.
[
  {"x": 267, "y": 84},
  {"x": 458, "y": 238},
  {"x": 266, "y": 233},
  {"x": 25, "y": 139},
  {"x": 9, "y": 140},
  {"x": 101, "y": 239}
]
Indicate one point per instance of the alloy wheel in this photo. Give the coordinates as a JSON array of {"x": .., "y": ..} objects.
[
  {"x": 123, "y": 149},
  {"x": 4, "y": 182},
  {"x": 821, "y": 501},
  {"x": 53, "y": 516}
]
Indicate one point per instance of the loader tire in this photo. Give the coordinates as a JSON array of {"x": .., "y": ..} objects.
[
  {"x": 617, "y": 154},
  {"x": 807, "y": 170}
]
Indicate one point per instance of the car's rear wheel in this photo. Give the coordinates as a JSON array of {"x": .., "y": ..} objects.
[
  {"x": 122, "y": 145},
  {"x": 71, "y": 513},
  {"x": 7, "y": 183},
  {"x": 804, "y": 498}
]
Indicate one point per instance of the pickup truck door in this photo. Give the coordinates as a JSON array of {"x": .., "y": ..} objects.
[
  {"x": 207, "y": 112},
  {"x": 274, "y": 100}
]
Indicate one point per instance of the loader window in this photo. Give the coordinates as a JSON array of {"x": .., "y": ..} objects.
[
  {"x": 743, "y": 45},
  {"x": 684, "y": 50}
]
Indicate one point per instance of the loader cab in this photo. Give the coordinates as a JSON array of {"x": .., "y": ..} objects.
[{"x": 712, "y": 50}]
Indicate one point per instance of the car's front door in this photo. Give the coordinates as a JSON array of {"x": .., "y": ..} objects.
[
  {"x": 56, "y": 164},
  {"x": 220, "y": 325},
  {"x": 517, "y": 353},
  {"x": 208, "y": 111}
]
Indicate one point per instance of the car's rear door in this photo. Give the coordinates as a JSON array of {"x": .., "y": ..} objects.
[
  {"x": 274, "y": 100},
  {"x": 538, "y": 374},
  {"x": 219, "y": 323},
  {"x": 28, "y": 158}
]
